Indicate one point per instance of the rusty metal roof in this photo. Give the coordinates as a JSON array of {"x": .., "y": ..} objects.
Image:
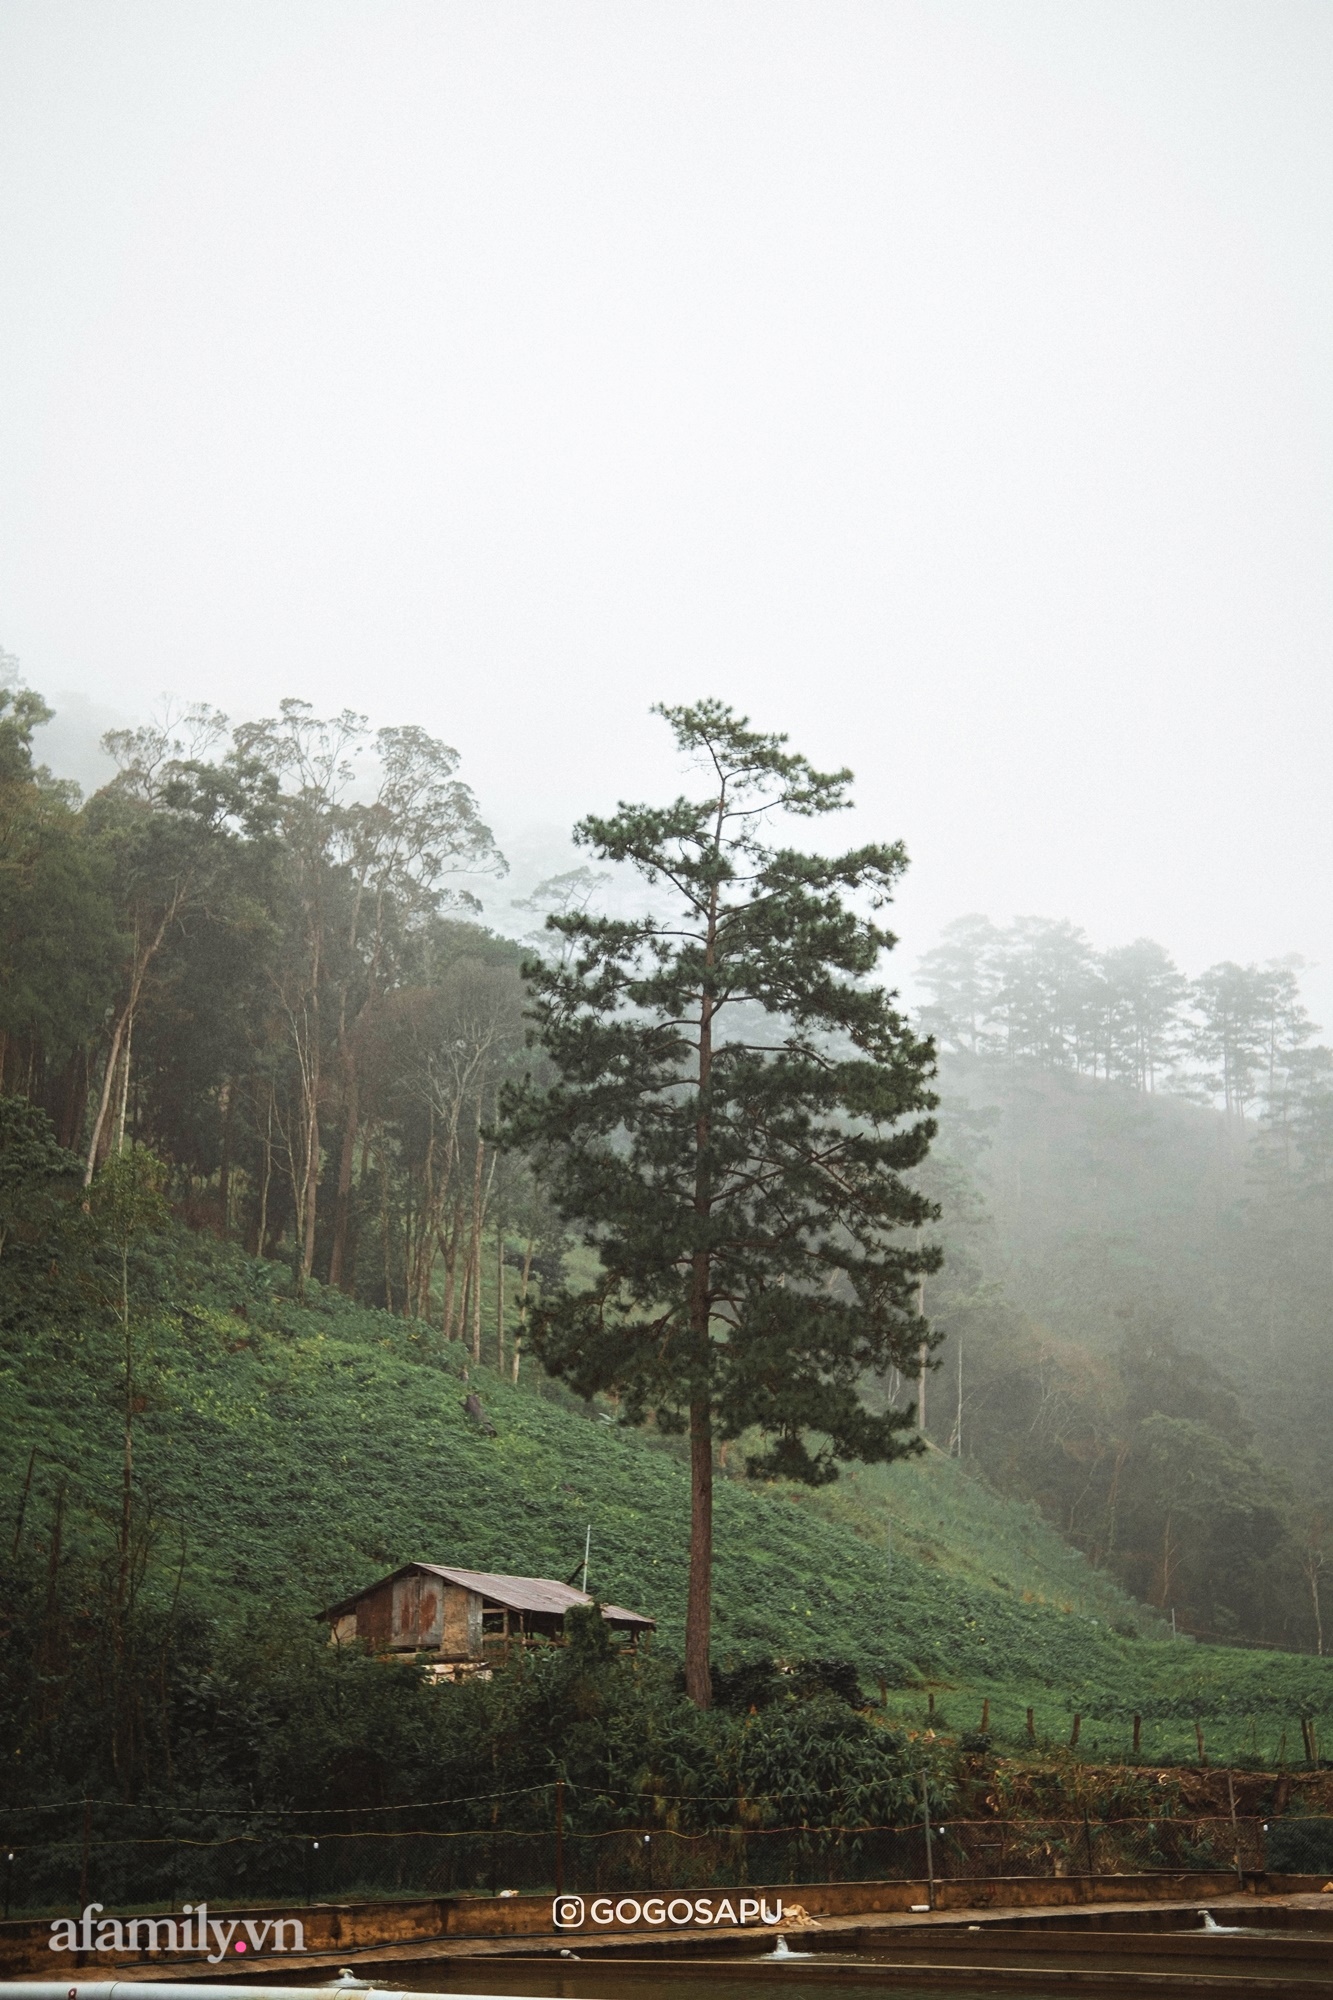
[{"x": 514, "y": 1593}]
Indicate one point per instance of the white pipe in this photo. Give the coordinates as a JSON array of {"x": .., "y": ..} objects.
[{"x": 160, "y": 1989}]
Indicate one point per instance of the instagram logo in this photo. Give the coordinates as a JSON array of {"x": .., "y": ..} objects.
[{"x": 567, "y": 1912}]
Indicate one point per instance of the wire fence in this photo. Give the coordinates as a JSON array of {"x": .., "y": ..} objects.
[{"x": 260, "y": 1861}]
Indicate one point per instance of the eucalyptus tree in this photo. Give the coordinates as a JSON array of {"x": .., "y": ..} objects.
[
  {"x": 735, "y": 1106},
  {"x": 171, "y": 825},
  {"x": 458, "y": 1037},
  {"x": 361, "y": 871},
  {"x": 420, "y": 827},
  {"x": 59, "y": 940}
]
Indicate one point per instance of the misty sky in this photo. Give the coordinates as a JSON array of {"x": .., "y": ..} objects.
[{"x": 948, "y": 385}]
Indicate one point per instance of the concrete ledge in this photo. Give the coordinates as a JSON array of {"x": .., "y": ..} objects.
[{"x": 449, "y": 1926}]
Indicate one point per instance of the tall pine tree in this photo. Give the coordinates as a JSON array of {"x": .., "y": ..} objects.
[{"x": 735, "y": 1106}]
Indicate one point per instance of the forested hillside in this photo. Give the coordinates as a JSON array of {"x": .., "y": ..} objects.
[
  {"x": 243, "y": 992},
  {"x": 1136, "y": 1184}
]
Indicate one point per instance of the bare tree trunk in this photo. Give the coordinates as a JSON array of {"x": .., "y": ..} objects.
[
  {"x": 343, "y": 1198},
  {"x": 125, "y": 1058},
  {"x": 143, "y": 958},
  {"x": 127, "y": 1466},
  {"x": 310, "y": 1188},
  {"x": 104, "y": 1101},
  {"x": 227, "y": 1098},
  {"x": 474, "y": 1255},
  {"x": 1312, "y": 1565},
  {"x": 500, "y": 1295},
  {"x": 267, "y": 1176},
  {"x": 421, "y": 1250},
  {"x": 476, "y": 1294},
  {"x": 1165, "y": 1591},
  {"x": 522, "y": 1327},
  {"x": 309, "y": 1062},
  {"x": 409, "y": 1254},
  {"x": 385, "y": 1246},
  {"x": 451, "y": 1250}
]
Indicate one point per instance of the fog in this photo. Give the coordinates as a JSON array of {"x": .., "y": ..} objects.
[{"x": 947, "y": 385}]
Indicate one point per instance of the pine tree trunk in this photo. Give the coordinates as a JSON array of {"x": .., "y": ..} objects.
[{"x": 699, "y": 1609}]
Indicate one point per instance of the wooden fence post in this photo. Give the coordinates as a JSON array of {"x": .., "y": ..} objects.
[
  {"x": 1138, "y": 1734},
  {"x": 930, "y": 1862},
  {"x": 1235, "y": 1829},
  {"x": 1073, "y": 1734},
  {"x": 1032, "y": 1728}
]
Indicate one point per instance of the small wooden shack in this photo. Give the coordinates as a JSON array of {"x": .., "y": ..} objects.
[{"x": 460, "y": 1620}]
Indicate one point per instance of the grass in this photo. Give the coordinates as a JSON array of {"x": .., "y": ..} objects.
[{"x": 306, "y": 1449}]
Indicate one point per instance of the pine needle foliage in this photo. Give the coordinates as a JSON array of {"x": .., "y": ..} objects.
[{"x": 735, "y": 1105}]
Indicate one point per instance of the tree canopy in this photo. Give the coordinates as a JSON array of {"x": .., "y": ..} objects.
[{"x": 736, "y": 1103}]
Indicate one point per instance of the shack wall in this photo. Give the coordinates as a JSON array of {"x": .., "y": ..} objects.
[
  {"x": 460, "y": 1634},
  {"x": 374, "y": 1616},
  {"x": 417, "y": 1614}
]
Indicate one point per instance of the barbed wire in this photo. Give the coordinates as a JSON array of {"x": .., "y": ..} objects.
[{"x": 941, "y": 1828}]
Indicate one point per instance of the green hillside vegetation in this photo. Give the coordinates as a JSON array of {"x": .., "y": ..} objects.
[
  {"x": 1136, "y": 1177},
  {"x": 256, "y": 1230},
  {"x": 1104, "y": 1199},
  {"x": 291, "y": 1452},
  {"x": 1144, "y": 1316},
  {"x": 239, "y": 962}
]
